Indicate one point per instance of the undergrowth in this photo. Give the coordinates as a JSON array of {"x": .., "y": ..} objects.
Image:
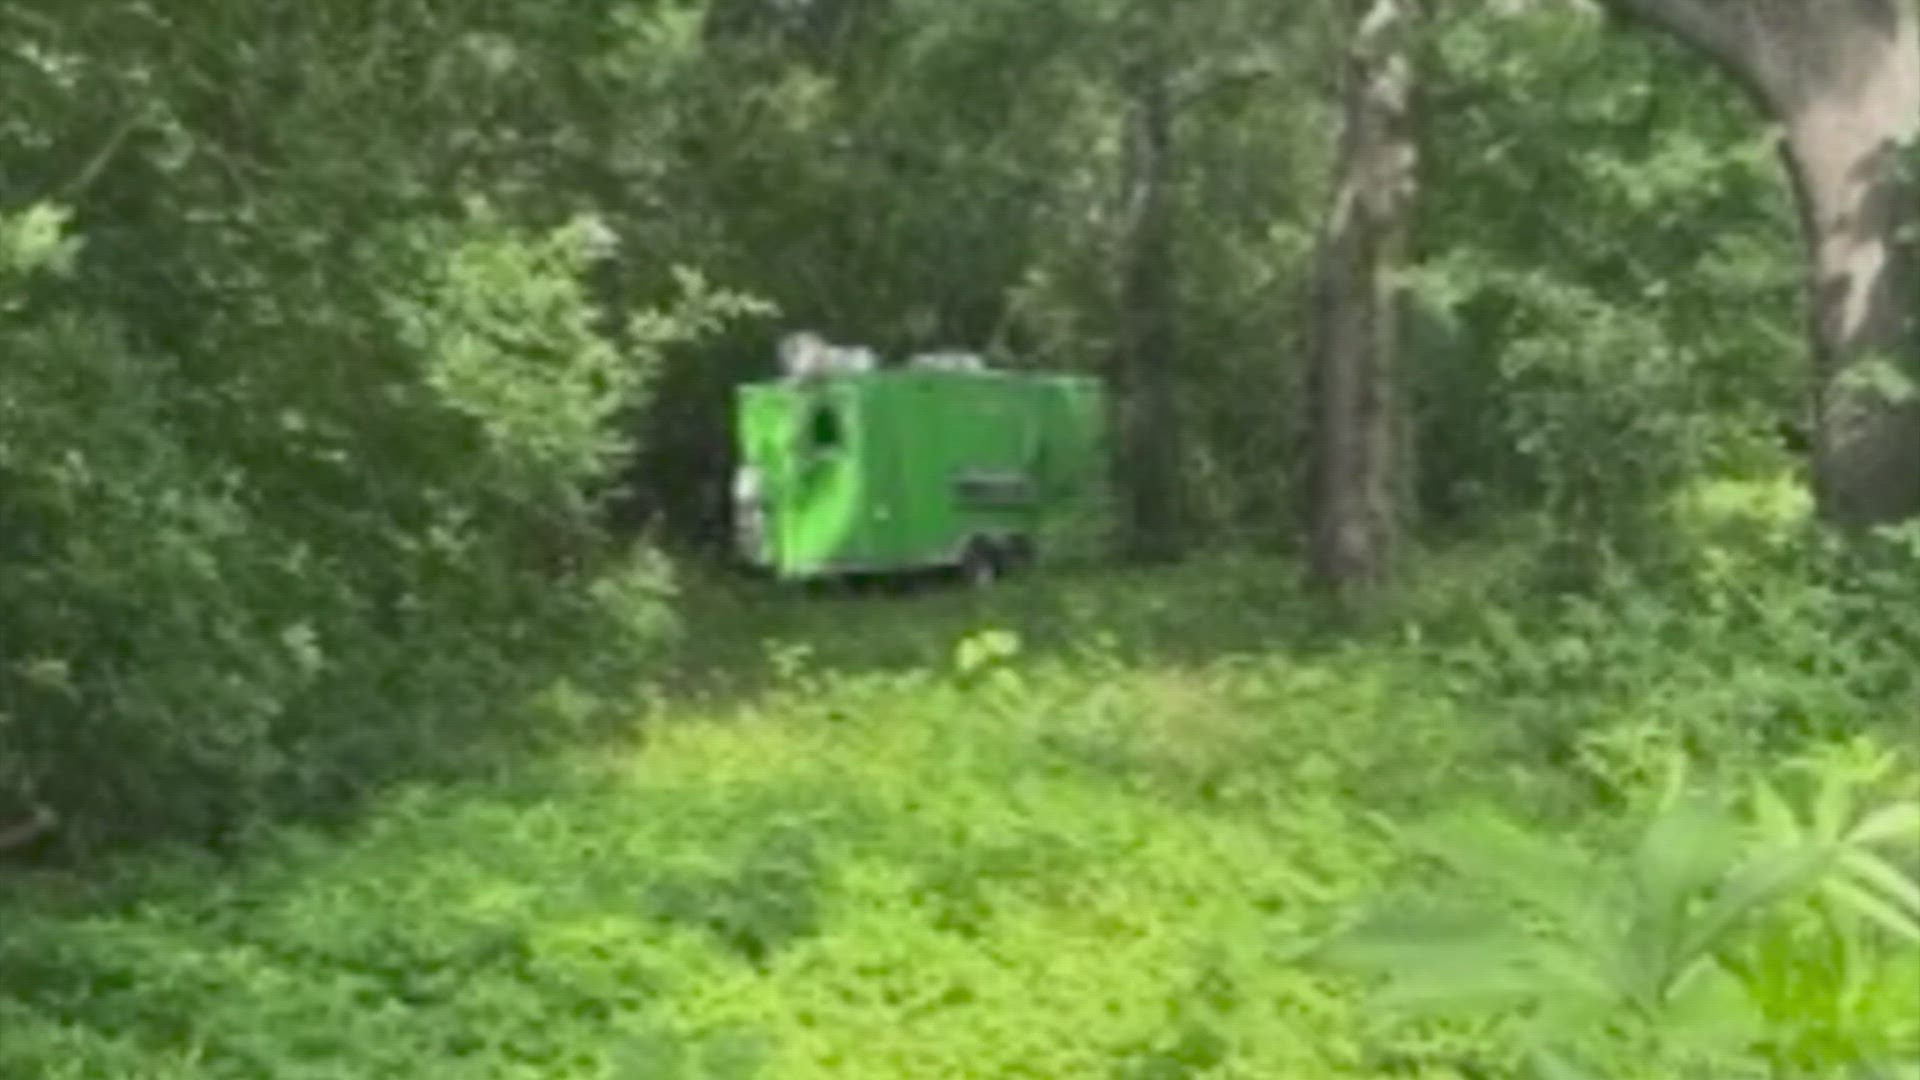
[{"x": 1091, "y": 826}]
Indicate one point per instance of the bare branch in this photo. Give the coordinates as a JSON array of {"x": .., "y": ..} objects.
[{"x": 97, "y": 164}]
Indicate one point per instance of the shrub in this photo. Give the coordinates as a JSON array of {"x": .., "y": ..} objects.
[
  {"x": 1723, "y": 937},
  {"x": 229, "y": 588}
]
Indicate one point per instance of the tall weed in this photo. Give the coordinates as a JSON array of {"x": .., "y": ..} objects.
[{"x": 1763, "y": 935}]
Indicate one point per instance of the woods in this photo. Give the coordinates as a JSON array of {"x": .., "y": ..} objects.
[
  {"x": 1843, "y": 82},
  {"x": 1515, "y": 402}
]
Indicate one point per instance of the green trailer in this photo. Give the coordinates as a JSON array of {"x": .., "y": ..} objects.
[{"x": 892, "y": 471}]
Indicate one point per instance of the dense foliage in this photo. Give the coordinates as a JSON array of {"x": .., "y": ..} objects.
[
  {"x": 304, "y": 432},
  {"x": 365, "y": 371},
  {"x": 1608, "y": 278},
  {"x": 1100, "y": 827}
]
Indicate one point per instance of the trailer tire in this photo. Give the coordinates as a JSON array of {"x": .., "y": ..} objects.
[{"x": 982, "y": 565}]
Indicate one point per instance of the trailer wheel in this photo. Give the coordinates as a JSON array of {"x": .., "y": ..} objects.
[{"x": 980, "y": 567}]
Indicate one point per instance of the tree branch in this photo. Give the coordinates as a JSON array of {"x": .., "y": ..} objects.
[
  {"x": 97, "y": 164},
  {"x": 1728, "y": 32}
]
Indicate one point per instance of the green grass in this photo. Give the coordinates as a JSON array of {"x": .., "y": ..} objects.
[{"x": 842, "y": 844}]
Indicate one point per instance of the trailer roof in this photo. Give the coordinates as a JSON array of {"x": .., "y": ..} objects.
[{"x": 914, "y": 374}]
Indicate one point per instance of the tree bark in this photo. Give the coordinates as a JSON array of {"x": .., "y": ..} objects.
[
  {"x": 1355, "y": 508},
  {"x": 1154, "y": 505},
  {"x": 1842, "y": 80}
]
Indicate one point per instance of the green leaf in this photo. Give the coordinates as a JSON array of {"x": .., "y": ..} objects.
[
  {"x": 1485, "y": 847},
  {"x": 1833, "y": 807},
  {"x": 1674, "y": 789},
  {"x": 1899, "y": 823},
  {"x": 1709, "y": 1009},
  {"x": 1883, "y": 877},
  {"x": 1457, "y": 960},
  {"x": 1551, "y": 1065},
  {"x": 36, "y": 239},
  {"x": 1439, "y": 960},
  {"x": 1874, "y": 909},
  {"x": 1774, "y": 814},
  {"x": 1686, "y": 848},
  {"x": 1764, "y": 880}
]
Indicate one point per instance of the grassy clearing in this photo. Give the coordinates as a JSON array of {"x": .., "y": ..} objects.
[{"x": 857, "y": 839}]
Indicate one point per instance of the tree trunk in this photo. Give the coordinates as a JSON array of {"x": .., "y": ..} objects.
[
  {"x": 1355, "y": 447},
  {"x": 1154, "y": 505},
  {"x": 1842, "y": 79}
]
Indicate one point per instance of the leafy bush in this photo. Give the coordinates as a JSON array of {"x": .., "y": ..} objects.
[
  {"x": 1611, "y": 282},
  {"x": 230, "y": 588},
  {"x": 1779, "y": 942},
  {"x": 1088, "y": 827},
  {"x": 1748, "y": 636}
]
